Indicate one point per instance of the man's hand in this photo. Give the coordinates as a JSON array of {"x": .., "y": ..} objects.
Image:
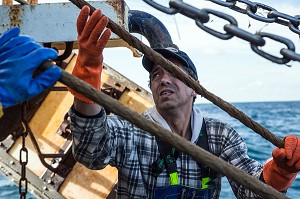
[
  {"x": 19, "y": 57},
  {"x": 92, "y": 39},
  {"x": 281, "y": 171}
]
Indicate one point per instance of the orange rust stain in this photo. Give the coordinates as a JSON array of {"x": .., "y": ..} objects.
[
  {"x": 7, "y": 2},
  {"x": 32, "y": 1},
  {"x": 119, "y": 7},
  {"x": 14, "y": 15}
]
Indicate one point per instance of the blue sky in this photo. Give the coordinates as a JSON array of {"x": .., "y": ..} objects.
[{"x": 229, "y": 69}]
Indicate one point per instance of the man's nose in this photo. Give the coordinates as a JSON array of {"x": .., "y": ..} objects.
[{"x": 166, "y": 78}]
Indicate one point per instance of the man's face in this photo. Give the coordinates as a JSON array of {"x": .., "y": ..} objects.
[{"x": 169, "y": 92}]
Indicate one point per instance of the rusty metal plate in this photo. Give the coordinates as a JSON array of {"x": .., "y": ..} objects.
[{"x": 56, "y": 22}]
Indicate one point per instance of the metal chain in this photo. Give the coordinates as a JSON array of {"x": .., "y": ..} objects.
[
  {"x": 23, "y": 152},
  {"x": 201, "y": 16},
  {"x": 273, "y": 15}
]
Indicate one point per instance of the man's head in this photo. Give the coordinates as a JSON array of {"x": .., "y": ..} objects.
[
  {"x": 168, "y": 91},
  {"x": 176, "y": 54}
]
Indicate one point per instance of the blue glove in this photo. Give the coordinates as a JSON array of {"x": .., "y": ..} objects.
[
  {"x": 19, "y": 57},
  {"x": 11, "y": 33},
  {"x": 14, "y": 42}
]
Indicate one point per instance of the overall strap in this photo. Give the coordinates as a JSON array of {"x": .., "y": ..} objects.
[
  {"x": 206, "y": 173},
  {"x": 203, "y": 138},
  {"x": 168, "y": 156}
]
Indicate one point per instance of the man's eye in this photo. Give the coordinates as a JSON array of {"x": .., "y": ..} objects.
[{"x": 154, "y": 75}]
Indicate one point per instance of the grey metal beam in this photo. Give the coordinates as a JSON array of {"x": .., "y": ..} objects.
[{"x": 56, "y": 22}]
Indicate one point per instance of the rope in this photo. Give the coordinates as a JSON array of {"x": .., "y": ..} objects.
[
  {"x": 176, "y": 72},
  {"x": 197, "y": 153}
]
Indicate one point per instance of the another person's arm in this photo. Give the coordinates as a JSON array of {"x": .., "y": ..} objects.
[
  {"x": 19, "y": 58},
  {"x": 92, "y": 143},
  {"x": 92, "y": 39}
]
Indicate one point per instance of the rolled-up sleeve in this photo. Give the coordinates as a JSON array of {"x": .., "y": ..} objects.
[
  {"x": 230, "y": 146},
  {"x": 101, "y": 140}
]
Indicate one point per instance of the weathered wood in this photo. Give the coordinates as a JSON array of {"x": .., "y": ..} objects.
[
  {"x": 11, "y": 120},
  {"x": 85, "y": 183}
]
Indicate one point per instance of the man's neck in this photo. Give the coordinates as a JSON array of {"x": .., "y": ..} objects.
[{"x": 179, "y": 122}]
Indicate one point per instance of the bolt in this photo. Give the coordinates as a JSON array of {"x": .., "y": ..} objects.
[{"x": 12, "y": 162}]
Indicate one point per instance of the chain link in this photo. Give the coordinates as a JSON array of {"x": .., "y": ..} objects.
[
  {"x": 23, "y": 152},
  {"x": 201, "y": 16},
  {"x": 216, "y": 33},
  {"x": 272, "y": 16},
  {"x": 252, "y": 12},
  {"x": 161, "y": 8},
  {"x": 288, "y": 43}
]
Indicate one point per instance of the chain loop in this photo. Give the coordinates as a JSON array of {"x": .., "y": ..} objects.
[
  {"x": 253, "y": 39},
  {"x": 283, "y": 19},
  {"x": 190, "y": 11},
  {"x": 215, "y": 33},
  {"x": 252, "y": 12},
  {"x": 248, "y": 4},
  {"x": 294, "y": 28},
  {"x": 161, "y": 8},
  {"x": 225, "y": 3},
  {"x": 290, "y": 54},
  {"x": 273, "y": 58},
  {"x": 23, "y": 180}
]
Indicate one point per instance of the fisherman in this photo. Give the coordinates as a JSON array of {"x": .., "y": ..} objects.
[
  {"x": 147, "y": 166},
  {"x": 19, "y": 57}
]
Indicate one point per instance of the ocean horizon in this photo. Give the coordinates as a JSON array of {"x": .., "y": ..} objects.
[{"x": 282, "y": 118}]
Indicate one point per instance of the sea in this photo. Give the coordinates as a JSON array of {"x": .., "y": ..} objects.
[{"x": 281, "y": 118}]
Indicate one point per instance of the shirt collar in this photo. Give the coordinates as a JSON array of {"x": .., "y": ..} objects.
[{"x": 196, "y": 121}]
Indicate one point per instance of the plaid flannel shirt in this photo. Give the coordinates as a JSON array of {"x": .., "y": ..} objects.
[{"x": 109, "y": 139}]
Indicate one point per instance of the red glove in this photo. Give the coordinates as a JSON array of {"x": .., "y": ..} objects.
[
  {"x": 281, "y": 171},
  {"x": 91, "y": 43}
]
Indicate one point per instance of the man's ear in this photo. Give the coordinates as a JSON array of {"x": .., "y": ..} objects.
[{"x": 194, "y": 94}]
